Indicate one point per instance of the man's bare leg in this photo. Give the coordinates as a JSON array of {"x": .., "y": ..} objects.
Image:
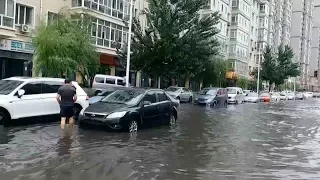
[
  {"x": 63, "y": 122},
  {"x": 71, "y": 122}
]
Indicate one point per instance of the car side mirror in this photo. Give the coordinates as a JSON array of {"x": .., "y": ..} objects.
[
  {"x": 21, "y": 93},
  {"x": 146, "y": 103}
]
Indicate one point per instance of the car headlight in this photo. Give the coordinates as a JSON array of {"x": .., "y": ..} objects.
[
  {"x": 82, "y": 111},
  {"x": 209, "y": 100},
  {"x": 196, "y": 99},
  {"x": 116, "y": 115}
]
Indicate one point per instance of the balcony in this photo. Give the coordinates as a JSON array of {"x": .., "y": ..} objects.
[{"x": 119, "y": 10}]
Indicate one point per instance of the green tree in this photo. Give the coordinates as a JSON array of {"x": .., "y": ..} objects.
[
  {"x": 243, "y": 82},
  {"x": 177, "y": 43},
  {"x": 285, "y": 67},
  {"x": 64, "y": 47},
  {"x": 277, "y": 67}
]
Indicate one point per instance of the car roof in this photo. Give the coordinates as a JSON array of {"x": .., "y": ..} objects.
[
  {"x": 108, "y": 76},
  {"x": 211, "y": 88},
  {"x": 30, "y": 79}
]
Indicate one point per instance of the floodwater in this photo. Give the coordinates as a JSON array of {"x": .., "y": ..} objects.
[{"x": 248, "y": 141}]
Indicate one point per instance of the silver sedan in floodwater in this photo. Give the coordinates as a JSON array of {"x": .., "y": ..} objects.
[{"x": 252, "y": 97}]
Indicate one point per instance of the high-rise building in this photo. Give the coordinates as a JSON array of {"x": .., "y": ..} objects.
[
  {"x": 223, "y": 6},
  {"x": 280, "y": 22},
  {"x": 301, "y": 36}
]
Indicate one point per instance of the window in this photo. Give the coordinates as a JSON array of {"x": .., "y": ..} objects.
[
  {"x": 110, "y": 81},
  {"x": 150, "y": 96},
  {"x": 121, "y": 82},
  {"x": 24, "y": 15},
  {"x": 162, "y": 96},
  {"x": 50, "y": 87},
  {"x": 7, "y": 13},
  {"x": 115, "y": 8},
  {"x": 108, "y": 34},
  {"x": 32, "y": 88},
  {"x": 99, "y": 80},
  {"x": 52, "y": 18}
]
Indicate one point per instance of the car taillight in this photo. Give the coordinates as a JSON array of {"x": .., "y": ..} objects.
[{"x": 87, "y": 98}]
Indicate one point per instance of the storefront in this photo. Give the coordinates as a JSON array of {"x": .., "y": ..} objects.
[{"x": 15, "y": 58}]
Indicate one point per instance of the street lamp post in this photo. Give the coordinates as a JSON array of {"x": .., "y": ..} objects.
[
  {"x": 129, "y": 45},
  {"x": 258, "y": 79}
]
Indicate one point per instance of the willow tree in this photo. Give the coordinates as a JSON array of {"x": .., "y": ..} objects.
[{"x": 64, "y": 47}]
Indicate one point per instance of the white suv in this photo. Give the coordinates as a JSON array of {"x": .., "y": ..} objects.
[{"x": 25, "y": 97}]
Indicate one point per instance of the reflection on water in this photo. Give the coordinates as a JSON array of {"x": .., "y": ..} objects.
[
  {"x": 249, "y": 141},
  {"x": 64, "y": 143}
]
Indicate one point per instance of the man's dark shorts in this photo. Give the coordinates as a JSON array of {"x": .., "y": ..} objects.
[{"x": 66, "y": 111}]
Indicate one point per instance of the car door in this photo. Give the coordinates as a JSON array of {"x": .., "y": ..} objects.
[
  {"x": 165, "y": 107},
  {"x": 30, "y": 104},
  {"x": 49, "y": 93},
  {"x": 151, "y": 112}
]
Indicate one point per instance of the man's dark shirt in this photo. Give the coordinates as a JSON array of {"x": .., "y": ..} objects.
[{"x": 67, "y": 92}]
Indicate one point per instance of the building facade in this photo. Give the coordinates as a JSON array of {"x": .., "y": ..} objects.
[
  {"x": 301, "y": 37},
  {"x": 18, "y": 18}
]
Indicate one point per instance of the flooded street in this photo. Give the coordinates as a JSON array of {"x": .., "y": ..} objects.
[{"x": 248, "y": 141}]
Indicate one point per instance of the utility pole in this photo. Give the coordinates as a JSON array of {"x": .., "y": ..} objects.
[
  {"x": 258, "y": 78},
  {"x": 129, "y": 45}
]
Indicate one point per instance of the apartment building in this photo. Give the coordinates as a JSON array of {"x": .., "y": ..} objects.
[
  {"x": 280, "y": 22},
  {"x": 18, "y": 18},
  {"x": 223, "y": 7},
  {"x": 301, "y": 36}
]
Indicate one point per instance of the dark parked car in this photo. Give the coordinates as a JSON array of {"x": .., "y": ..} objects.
[
  {"x": 212, "y": 96},
  {"x": 131, "y": 108}
]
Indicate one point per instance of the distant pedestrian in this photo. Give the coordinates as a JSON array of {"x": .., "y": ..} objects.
[{"x": 66, "y": 97}]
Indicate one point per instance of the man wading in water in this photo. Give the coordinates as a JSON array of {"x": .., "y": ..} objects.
[{"x": 66, "y": 97}]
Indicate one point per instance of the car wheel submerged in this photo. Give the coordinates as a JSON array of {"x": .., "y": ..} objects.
[
  {"x": 4, "y": 119},
  {"x": 133, "y": 126}
]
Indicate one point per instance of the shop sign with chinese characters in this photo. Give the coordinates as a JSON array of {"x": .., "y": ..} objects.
[{"x": 17, "y": 46}]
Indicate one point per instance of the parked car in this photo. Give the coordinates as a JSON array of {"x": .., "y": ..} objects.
[
  {"x": 246, "y": 92},
  {"x": 265, "y": 97},
  {"x": 25, "y": 97},
  {"x": 283, "y": 96},
  {"x": 212, "y": 96},
  {"x": 291, "y": 96},
  {"x": 235, "y": 95},
  {"x": 180, "y": 93},
  {"x": 316, "y": 94},
  {"x": 102, "y": 82},
  {"x": 275, "y": 96},
  {"x": 252, "y": 97},
  {"x": 300, "y": 96},
  {"x": 131, "y": 109},
  {"x": 308, "y": 94}
]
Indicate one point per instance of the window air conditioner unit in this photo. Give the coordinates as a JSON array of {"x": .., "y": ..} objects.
[{"x": 24, "y": 28}]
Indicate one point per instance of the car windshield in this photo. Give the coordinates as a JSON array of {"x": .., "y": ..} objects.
[
  {"x": 264, "y": 94},
  {"x": 208, "y": 92},
  {"x": 252, "y": 95},
  {"x": 232, "y": 91},
  {"x": 106, "y": 93},
  {"x": 128, "y": 97},
  {"x": 172, "y": 89},
  {"x": 7, "y": 86}
]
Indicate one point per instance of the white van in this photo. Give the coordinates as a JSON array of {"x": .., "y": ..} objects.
[
  {"x": 235, "y": 95},
  {"x": 102, "y": 82}
]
